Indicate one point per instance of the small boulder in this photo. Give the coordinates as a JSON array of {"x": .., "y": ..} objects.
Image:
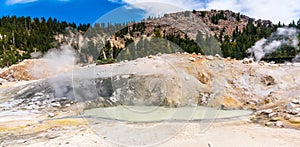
[
  {"x": 296, "y": 101},
  {"x": 278, "y": 124},
  {"x": 269, "y": 124},
  {"x": 192, "y": 59},
  {"x": 290, "y": 106},
  {"x": 245, "y": 61},
  {"x": 293, "y": 112},
  {"x": 51, "y": 115},
  {"x": 251, "y": 60},
  {"x": 261, "y": 63},
  {"x": 275, "y": 118},
  {"x": 253, "y": 118},
  {"x": 209, "y": 57},
  {"x": 55, "y": 104},
  {"x": 267, "y": 111},
  {"x": 287, "y": 117},
  {"x": 257, "y": 113},
  {"x": 218, "y": 56},
  {"x": 187, "y": 78},
  {"x": 271, "y": 115},
  {"x": 254, "y": 101}
]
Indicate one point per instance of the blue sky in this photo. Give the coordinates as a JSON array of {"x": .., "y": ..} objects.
[
  {"x": 88, "y": 11},
  {"x": 79, "y": 11}
]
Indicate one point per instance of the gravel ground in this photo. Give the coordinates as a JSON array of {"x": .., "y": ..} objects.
[{"x": 229, "y": 133}]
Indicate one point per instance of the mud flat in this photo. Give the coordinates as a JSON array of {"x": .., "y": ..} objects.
[
  {"x": 229, "y": 133},
  {"x": 99, "y": 127}
]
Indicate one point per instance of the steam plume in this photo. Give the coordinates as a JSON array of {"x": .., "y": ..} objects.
[
  {"x": 56, "y": 60},
  {"x": 283, "y": 36}
]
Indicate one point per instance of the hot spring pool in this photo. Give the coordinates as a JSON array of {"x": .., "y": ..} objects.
[{"x": 154, "y": 114}]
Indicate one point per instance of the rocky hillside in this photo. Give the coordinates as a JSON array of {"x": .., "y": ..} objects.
[
  {"x": 207, "y": 32},
  {"x": 206, "y": 22}
]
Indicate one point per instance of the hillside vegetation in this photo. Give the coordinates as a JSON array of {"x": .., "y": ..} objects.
[{"x": 206, "y": 32}]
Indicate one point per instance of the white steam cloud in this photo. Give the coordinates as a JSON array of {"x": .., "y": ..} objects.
[
  {"x": 283, "y": 36},
  {"x": 55, "y": 61}
]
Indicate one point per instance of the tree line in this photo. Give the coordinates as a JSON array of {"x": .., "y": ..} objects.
[
  {"x": 236, "y": 47},
  {"x": 20, "y": 36}
]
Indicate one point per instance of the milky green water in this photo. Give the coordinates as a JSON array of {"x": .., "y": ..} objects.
[{"x": 152, "y": 114}]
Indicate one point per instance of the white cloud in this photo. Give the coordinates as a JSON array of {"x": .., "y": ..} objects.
[
  {"x": 274, "y": 10},
  {"x": 160, "y": 7},
  {"x": 12, "y": 2}
]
